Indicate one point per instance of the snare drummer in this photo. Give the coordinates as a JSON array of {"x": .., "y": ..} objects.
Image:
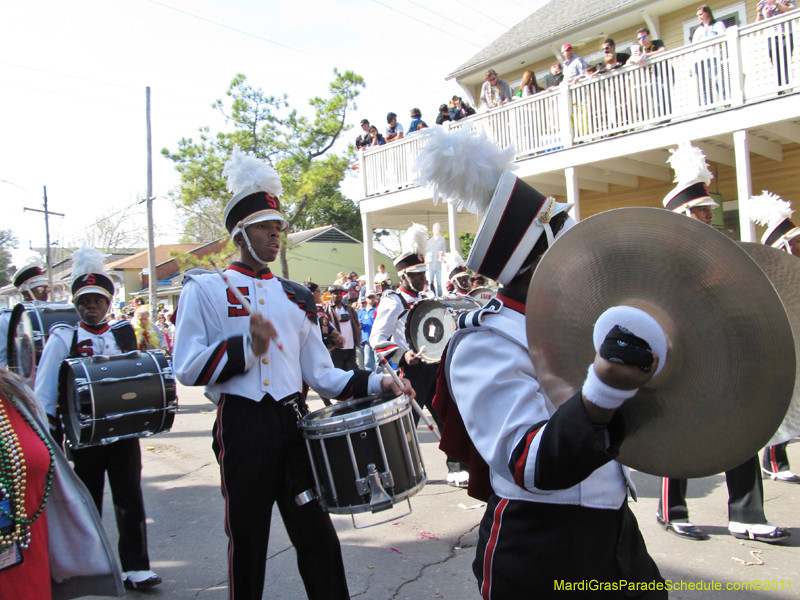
[
  {"x": 31, "y": 282},
  {"x": 458, "y": 276},
  {"x": 92, "y": 292},
  {"x": 253, "y": 367}
]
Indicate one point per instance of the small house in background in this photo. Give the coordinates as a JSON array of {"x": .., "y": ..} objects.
[{"x": 320, "y": 254}]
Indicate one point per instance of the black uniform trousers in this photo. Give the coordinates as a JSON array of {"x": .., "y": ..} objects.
[
  {"x": 263, "y": 460},
  {"x": 423, "y": 379},
  {"x": 774, "y": 459},
  {"x": 534, "y": 550},
  {"x": 122, "y": 461},
  {"x": 745, "y": 495}
]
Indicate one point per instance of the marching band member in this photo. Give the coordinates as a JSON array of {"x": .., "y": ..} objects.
[
  {"x": 458, "y": 277},
  {"x": 253, "y": 367},
  {"x": 770, "y": 211},
  {"x": 92, "y": 292},
  {"x": 552, "y": 471},
  {"x": 31, "y": 282},
  {"x": 746, "y": 518}
]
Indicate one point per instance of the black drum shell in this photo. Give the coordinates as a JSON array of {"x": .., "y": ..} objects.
[
  {"x": 28, "y": 329},
  {"x": 134, "y": 405}
]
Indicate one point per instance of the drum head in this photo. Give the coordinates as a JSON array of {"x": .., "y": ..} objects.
[
  {"x": 353, "y": 414},
  {"x": 21, "y": 345},
  {"x": 482, "y": 295},
  {"x": 430, "y": 324}
]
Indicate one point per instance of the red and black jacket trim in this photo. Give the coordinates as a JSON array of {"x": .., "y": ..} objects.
[
  {"x": 519, "y": 457},
  {"x": 570, "y": 450},
  {"x": 357, "y": 387},
  {"x": 242, "y": 268},
  {"x": 235, "y": 365},
  {"x": 300, "y": 295}
]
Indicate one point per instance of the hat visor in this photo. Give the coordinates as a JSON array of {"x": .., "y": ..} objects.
[
  {"x": 35, "y": 282},
  {"x": 259, "y": 218},
  {"x": 415, "y": 269},
  {"x": 702, "y": 202},
  {"x": 92, "y": 289}
]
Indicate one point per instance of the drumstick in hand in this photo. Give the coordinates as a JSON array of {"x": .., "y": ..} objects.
[
  {"x": 385, "y": 364},
  {"x": 240, "y": 297}
]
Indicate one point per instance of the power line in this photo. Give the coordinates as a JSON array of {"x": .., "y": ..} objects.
[
  {"x": 449, "y": 19},
  {"x": 125, "y": 87},
  {"x": 420, "y": 21},
  {"x": 483, "y": 14}
]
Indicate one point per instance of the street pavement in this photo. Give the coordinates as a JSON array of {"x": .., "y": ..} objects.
[{"x": 429, "y": 553}]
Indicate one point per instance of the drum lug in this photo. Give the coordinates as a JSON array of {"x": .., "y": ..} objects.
[{"x": 379, "y": 500}]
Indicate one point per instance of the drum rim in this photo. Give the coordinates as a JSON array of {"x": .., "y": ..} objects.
[
  {"x": 362, "y": 508},
  {"x": 445, "y": 301},
  {"x": 389, "y": 410}
]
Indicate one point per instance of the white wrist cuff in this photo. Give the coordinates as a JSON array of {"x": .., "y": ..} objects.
[{"x": 604, "y": 396}]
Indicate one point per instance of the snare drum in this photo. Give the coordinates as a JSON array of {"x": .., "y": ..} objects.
[
  {"x": 28, "y": 330},
  {"x": 482, "y": 295},
  {"x": 431, "y": 323},
  {"x": 103, "y": 399},
  {"x": 364, "y": 453}
]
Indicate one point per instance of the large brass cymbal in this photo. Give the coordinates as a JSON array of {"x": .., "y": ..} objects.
[
  {"x": 783, "y": 271},
  {"x": 730, "y": 343}
]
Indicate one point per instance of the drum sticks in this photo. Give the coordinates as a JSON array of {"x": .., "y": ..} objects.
[
  {"x": 240, "y": 297},
  {"x": 385, "y": 364}
]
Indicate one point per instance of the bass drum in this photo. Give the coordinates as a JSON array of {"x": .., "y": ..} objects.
[
  {"x": 431, "y": 323},
  {"x": 482, "y": 295},
  {"x": 28, "y": 330},
  {"x": 364, "y": 453},
  {"x": 103, "y": 399}
]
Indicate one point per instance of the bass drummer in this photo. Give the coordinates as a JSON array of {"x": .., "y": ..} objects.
[
  {"x": 253, "y": 367},
  {"x": 31, "y": 282},
  {"x": 92, "y": 292}
]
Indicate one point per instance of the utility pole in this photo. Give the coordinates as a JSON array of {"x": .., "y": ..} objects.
[
  {"x": 151, "y": 249},
  {"x": 47, "y": 214}
]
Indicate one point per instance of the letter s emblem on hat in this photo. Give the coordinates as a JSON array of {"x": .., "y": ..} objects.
[
  {"x": 272, "y": 201},
  {"x": 90, "y": 279}
]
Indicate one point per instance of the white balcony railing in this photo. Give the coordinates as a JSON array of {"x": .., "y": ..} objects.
[{"x": 745, "y": 65}]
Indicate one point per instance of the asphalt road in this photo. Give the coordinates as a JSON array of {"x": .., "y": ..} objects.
[{"x": 427, "y": 554}]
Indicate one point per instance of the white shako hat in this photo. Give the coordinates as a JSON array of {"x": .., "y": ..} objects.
[
  {"x": 256, "y": 188},
  {"x": 413, "y": 261},
  {"x": 454, "y": 265},
  {"x": 89, "y": 274},
  {"x": 30, "y": 275},
  {"x": 467, "y": 169},
  {"x": 693, "y": 176},
  {"x": 769, "y": 210}
]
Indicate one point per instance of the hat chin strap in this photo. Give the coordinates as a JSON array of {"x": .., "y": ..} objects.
[
  {"x": 548, "y": 231},
  {"x": 408, "y": 281},
  {"x": 250, "y": 248}
]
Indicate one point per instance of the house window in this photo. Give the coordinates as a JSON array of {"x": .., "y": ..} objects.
[{"x": 735, "y": 14}]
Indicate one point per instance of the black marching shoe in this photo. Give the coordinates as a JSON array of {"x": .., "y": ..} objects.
[
  {"x": 684, "y": 530},
  {"x": 140, "y": 580},
  {"x": 767, "y": 533}
]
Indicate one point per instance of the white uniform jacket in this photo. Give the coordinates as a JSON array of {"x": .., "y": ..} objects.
[
  {"x": 388, "y": 336},
  {"x": 213, "y": 345},
  {"x": 535, "y": 452},
  {"x": 90, "y": 342}
]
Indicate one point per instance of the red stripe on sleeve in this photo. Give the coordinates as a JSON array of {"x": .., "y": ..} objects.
[{"x": 519, "y": 467}]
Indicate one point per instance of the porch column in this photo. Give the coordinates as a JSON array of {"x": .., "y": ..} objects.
[
  {"x": 573, "y": 193},
  {"x": 369, "y": 258},
  {"x": 452, "y": 228},
  {"x": 744, "y": 186}
]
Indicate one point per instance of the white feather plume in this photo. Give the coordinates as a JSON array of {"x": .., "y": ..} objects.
[
  {"x": 453, "y": 260},
  {"x": 768, "y": 209},
  {"x": 689, "y": 163},
  {"x": 244, "y": 170},
  {"x": 415, "y": 239},
  {"x": 33, "y": 259},
  {"x": 87, "y": 260},
  {"x": 462, "y": 166}
]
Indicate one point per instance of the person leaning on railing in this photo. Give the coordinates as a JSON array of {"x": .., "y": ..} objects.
[
  {"x": 458, "y": 109},
  {"x": 767, "y": 9},
  {"x": 495, "y": 92}
]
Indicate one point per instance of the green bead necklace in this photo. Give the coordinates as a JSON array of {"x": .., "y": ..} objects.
[{"x": 13, "y": 478}]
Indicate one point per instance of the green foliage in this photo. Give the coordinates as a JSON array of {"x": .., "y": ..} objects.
[
  {"x": 187, "y": 260},
  {"x": 298, "y": 147},
  {"x": 466, "y": 240},
  {"x": 7, "y": 241}
]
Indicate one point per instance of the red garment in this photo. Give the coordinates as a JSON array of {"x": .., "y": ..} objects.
[{"x": 31, "y": 579}]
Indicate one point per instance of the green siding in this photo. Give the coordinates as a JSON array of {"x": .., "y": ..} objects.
[{"x": 321, "y": 263}]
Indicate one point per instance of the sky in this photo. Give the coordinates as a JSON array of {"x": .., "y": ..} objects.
[{"x": 73, "y": 79}]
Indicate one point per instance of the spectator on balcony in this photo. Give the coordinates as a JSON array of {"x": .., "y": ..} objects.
[
  {"x": 444, "y": 114},
  {"x": 650, "y": 46},
  {"x": 611, "y": 58},
  {"x": 394, "y": 131},
  {"x": 555, "y": 78},
  {"x": 773, "y": 8},
  {"x": 776, "y": 43},
  {"x": 529, "y": 86},
  {"x": 708, "y": 26},
  {"x": 362, "y": 141},
  {"x": 574, "y": 67},
  {"x": 375, "y": 138},
  {"x": 416, "y": 119},
  {"x": 495, "y": 92},
  {"x": 458, "y": 109}
]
